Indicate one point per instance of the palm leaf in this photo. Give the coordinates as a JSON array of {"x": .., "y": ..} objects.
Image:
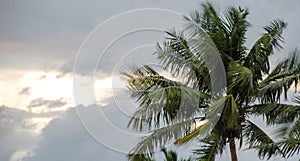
[
  {"x": 257, "y": 139},
  {"x": 213, "y": 115},
  {"x": 161, "y": 100},
  {"x": 209, "y": 149},
  {"x": 280, "y": 80},
  {"x": 240, "y": 78},
  {"x": 176, "y": 56},
  {"x": 159, "y": 137},
  {"x": 258, "y": 58},
  {"x": 290, "y": 145},
  {"x": 276, "y": 113}
]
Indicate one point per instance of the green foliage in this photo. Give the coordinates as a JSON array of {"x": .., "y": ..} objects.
[
  {"x": 172, "y": 108},
  {"x": 169, "y": 155}
]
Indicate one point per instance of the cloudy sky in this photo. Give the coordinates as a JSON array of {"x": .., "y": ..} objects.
[{"x": 43, "y": 42}]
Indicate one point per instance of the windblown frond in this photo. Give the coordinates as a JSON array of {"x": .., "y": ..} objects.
[
  {"x": 258, "y": 58},
  {"x": 236, "y": 24},
  {"x": 290, "y": 144},
  {"x": 159, "y": 137},
  {"x": 213, "y": 114},
  {"x": 175, "y": 54},
  {"x": 161, "y": 100},
  {"x": 280, "y": 80},
  {"x": 210, "y": 148},
  {"x": 276, "y": 113},
  {"x": 259, "y": 140}
]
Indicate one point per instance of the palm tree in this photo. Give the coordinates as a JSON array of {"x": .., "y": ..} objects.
[
  {"x": 171, "y": 108},
  {"x": 172, "y": 155},
  {"x": 168, "y": 155}
]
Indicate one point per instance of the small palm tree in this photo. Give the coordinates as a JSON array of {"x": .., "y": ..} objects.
[
  {"x": 172, "y": 156},
  {"x": 172, "y": 107},
  {"x": 168, "y": 155}
]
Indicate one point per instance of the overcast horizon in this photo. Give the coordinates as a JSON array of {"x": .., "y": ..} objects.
[{"x": 51, "y": 111}]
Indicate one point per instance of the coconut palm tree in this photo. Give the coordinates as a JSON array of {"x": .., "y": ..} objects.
[
  {"x": 173, "y": 107},
  {"x": 169, "y": 155}
]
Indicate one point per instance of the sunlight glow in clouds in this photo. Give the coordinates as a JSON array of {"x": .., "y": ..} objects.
[{"x": 49, "y": 86}]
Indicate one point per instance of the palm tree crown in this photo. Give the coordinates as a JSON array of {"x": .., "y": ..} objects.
[{"x": 170, "y": 107}]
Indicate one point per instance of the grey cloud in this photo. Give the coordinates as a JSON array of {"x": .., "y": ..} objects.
[
  {"x": 48, "y": 103},
  {"x": 25, "y": 91},
  {"x": 113, "y": 56},
  {"x": 52, "y": 37},
  {"x": 16, "y": 132},
  {"x": 65, "y": 139}
]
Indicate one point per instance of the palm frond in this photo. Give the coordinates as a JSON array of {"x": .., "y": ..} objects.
[
  {"x": 280, "y": 80},
  {"x": 209, "y": 149},
  {"x": 240, "y": 82},
  {"x": 213, "y": 25},
  {"x": 258, "y": 58},
  {"x": 139, "y": 157},
  {"x": 176, "y": 56},
  {"x": 161, "y": 100},
  {"x": 257, "y": 139},
  {"x": 236, "y": 24},
  {"x": 276, "y": 113},
  {"x": 289, "y": 135},
  {"x": 159, "y": 137},
  {"x": 290, "y": 144},
  {"x": 204, "y": 48},
  {"x": 212, "y": 116}
]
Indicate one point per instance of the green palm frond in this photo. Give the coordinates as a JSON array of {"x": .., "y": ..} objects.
[
  {"x": 257, "y": 139},
  {"x": 159, "y": 137},
  {"x": 212, "y": 116},
  {"x": 171, "y": 155},
  {"x": 289, "y": 135},
  {"x": 211, "y": 23},
  {"x": 236, "y": 24},
  {"x": 160, "y": 99},
  {"x": 276, "y": 113},
  {"x": 280, "y": 80},
  {"x": 258, "y": 58},
  {"x": 290, "y": 145},
  {"x": 204, "y": 48},
  {"x": 139, "y": 157},
  {"x": 175, "y": 54},
  {"x": 209, "y": 149},
  {"x": 240, "y": 78}
]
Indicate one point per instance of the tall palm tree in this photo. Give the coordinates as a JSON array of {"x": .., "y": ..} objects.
[{"x": 171, "y": 108}]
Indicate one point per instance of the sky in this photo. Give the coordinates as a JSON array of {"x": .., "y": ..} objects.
[{"x": 61, "y": 96}]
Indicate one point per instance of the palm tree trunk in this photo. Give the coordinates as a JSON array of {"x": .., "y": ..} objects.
[{"x": 232, "y": 150}]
